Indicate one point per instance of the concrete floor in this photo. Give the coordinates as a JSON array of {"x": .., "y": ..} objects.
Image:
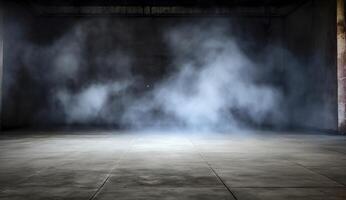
[{"x": 119, "y": 166}]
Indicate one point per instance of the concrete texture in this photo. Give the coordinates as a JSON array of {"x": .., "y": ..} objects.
[
  {"x": 106, "y": 166},
  {"x": 1, "y": 59},
  {"x": 341, "y": 33},
  {"x": 310, "y": 34}
]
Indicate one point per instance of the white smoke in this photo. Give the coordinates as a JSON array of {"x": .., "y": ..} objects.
[
  {"x": 92, "y": 75},
  {"x": 84, "y": 105},
  {"x": 213, "y": 86},
  {"x": 89, "y": 103}
]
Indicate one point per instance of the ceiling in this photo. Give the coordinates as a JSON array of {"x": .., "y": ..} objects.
[
  {"x": 245, "y": 8},
  {"x": 247, "y": 3}
]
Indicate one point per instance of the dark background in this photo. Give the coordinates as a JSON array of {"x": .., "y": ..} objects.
[{"x": 304, "y": 28}]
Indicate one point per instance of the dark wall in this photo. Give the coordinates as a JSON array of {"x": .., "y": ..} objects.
[
  {"x": 56, "y": 67},
  {"x": 310, "y": 32}
]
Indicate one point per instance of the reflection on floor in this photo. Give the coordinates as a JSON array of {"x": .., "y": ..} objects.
[{"x": 104, "y": 166}]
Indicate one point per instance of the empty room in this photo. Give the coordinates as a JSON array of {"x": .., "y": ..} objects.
[{"x": 172, "y": 99}]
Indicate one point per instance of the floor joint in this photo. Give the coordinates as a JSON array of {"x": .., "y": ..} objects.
[
  {"x": 99, "y": 189},
  {"x": 214, "y": 172}
]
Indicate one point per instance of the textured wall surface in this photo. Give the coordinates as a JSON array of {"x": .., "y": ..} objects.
[
  {"x": 311, "y": 35},
  {"x": 1, "y": 61},
  {"x": 60, "y": 70}
]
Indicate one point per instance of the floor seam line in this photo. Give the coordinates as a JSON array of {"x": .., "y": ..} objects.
[
  {"x": 334, "y": 151},
  {"x": 99, "y": 189},
  {"x": 307, "y": 168},
  {"x": 214, "y": 172}
]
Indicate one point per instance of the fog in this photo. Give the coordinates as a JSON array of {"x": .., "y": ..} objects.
[
  {"x": 90, "y": 75},
  {"x": 213, "y": 85}
]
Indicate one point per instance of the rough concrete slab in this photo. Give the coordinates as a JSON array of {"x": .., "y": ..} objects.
[
  {"x": 45, "y": 193},
  {"x": 172, "y": 166},
  {"x": 273, "y": 175},
  {"x": 144, "y": 193},
  {"x": 290, "y": 193},
  {"x": 336, "y": 173}
]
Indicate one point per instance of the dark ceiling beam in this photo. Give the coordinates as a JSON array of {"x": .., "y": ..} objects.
[
  {"x": 234, "y": 8},
  {"x": 202, "y": 3},
  {"x": 261, "y": 11},
  {"x": 295, "y": 8}
]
